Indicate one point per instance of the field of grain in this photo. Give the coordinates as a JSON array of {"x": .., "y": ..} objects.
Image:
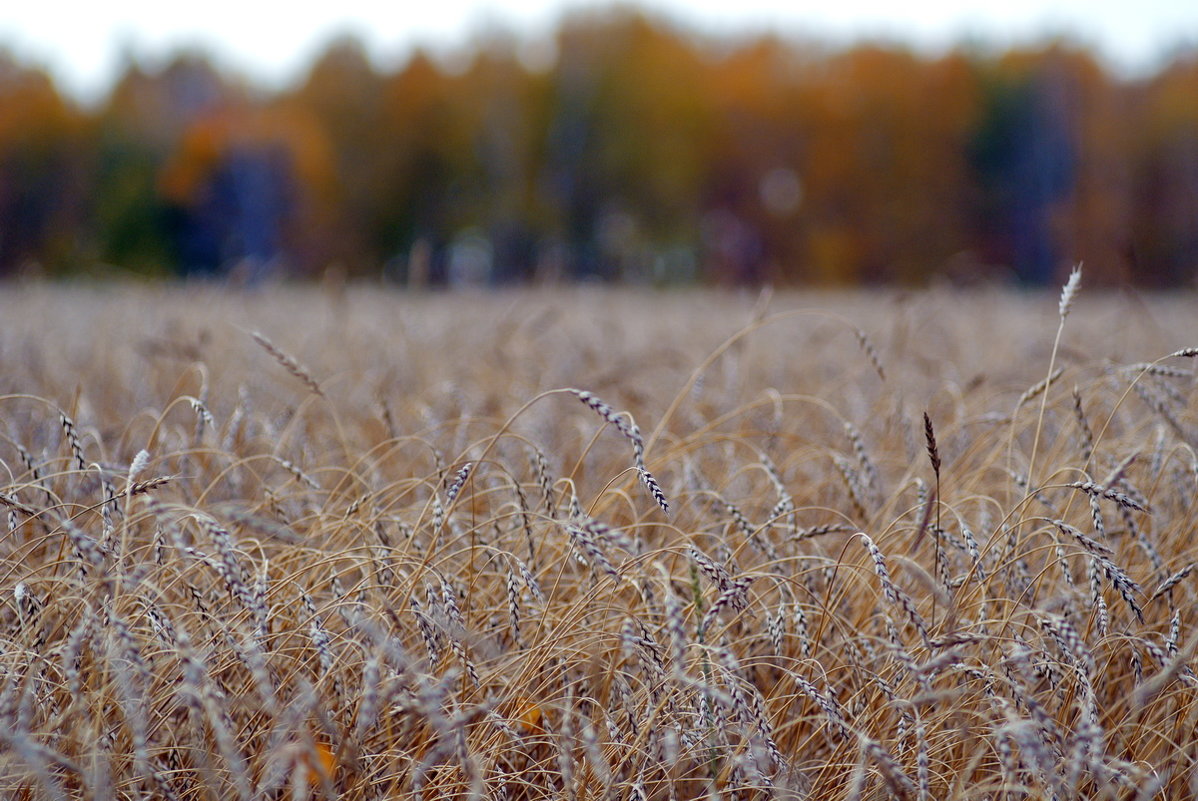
[{"x": 586, "y": 544}]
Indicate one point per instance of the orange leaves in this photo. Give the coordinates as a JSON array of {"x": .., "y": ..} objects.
[
  {"x": 527, "y": 715},
  {"x": 627, "y": 143},
  {"x": 310, "y": 767},
  {"x": 321, "y": 762},
  {"x": 212, "y": 137}
]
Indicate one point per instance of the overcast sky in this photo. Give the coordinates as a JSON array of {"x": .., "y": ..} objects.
[{"x": 271, "y": 42}]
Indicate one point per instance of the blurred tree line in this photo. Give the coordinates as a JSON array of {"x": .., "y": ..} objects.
[{"x": 628, "y": 150}]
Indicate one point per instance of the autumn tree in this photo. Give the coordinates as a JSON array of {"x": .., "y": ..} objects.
[
  {"x": 640, "y": 151},
  {"x": 42, "y": 172}
]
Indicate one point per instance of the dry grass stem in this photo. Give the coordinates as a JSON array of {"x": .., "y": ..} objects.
[{"x": 442, "y": 580}]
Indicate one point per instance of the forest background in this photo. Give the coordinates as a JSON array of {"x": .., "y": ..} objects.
[{"x": 630, "y": 150}]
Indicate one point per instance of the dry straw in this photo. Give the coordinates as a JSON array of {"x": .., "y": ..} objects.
[
  {"x": 461, "y": 594},
  {"x": 288, "y": 361}
]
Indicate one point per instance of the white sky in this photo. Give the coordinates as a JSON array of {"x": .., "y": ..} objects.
[{"x": 82, "y": 42}]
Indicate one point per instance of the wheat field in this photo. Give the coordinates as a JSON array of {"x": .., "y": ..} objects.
[{"x": 589, "y": 544}]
